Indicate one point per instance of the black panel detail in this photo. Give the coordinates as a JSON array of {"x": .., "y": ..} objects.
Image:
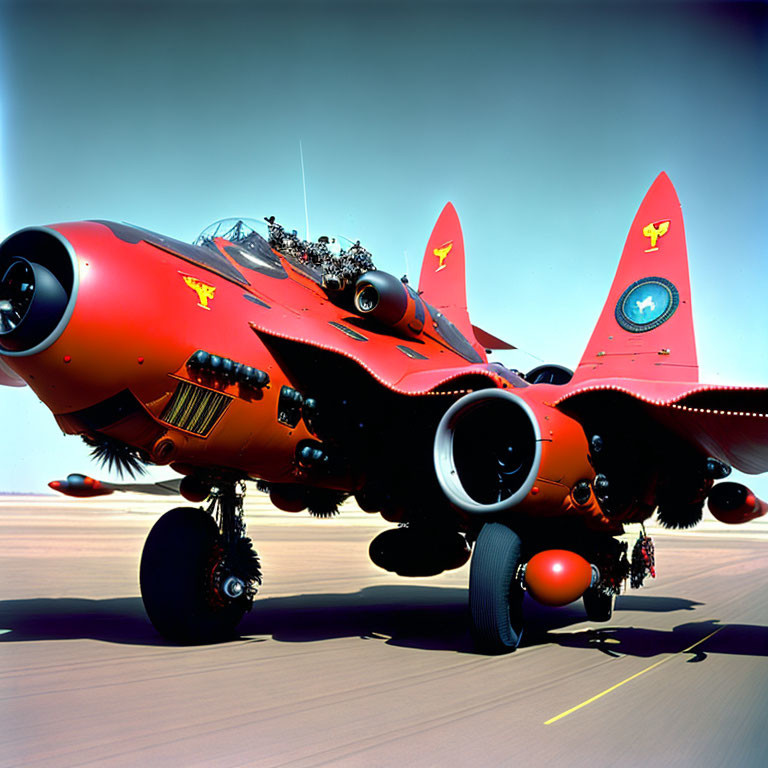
[
  {"x": 511, "y": 376},
  {"x": 348, "y": 331},
  {"x": 412, "y": 353},
  {"x": 309, "y": 412},
  {"x": 261, "y": 303},
  {"x": 208, "y": 258},
  {"x": 195, "y": 409},
  {"x": 549, "y": 374},
  {"x": 289, "y": 407},
  {"x": 418, "y": 301},
  {"x": 208, "y": 366},
  {"x": 311, "y": 454},
  {"x": 255, "y": 254},
  {"x": 107, "y": 412},
  {"x": 453, "y": 336}
]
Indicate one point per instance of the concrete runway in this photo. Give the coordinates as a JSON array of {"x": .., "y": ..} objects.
[{"x": 343, "y": 664}]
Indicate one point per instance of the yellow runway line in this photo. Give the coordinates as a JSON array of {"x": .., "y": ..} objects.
[{"x": 637, "y": 674}]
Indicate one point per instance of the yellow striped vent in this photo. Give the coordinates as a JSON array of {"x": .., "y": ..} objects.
[{"x": 195, "y": 409}]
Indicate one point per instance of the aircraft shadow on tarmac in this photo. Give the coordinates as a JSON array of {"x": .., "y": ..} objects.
[{"x": 430, "y": 618}]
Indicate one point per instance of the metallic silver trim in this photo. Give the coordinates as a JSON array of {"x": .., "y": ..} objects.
[
  {"x": 65, "y": 318},
  {"x": 12, "y": 379},
  {"x": 445, "y": 468}
]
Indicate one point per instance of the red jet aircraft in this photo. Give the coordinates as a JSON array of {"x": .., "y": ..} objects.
[{"x": 301, "y": 366}]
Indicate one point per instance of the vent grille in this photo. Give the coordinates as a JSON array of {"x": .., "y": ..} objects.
[
  {"x": 412, "y": 353},
  {"x": 352, "y": 334},
  {"x": 195, "y": 409}
]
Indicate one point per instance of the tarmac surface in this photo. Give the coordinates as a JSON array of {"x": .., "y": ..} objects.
[{"x": 343, "y": 664}]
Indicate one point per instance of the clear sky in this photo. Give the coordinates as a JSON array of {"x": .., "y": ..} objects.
[{"x": 543, "y": 123}]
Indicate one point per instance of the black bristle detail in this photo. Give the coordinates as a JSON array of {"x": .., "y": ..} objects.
[
  {"x": 244, "y": 561},
  {"x": 262, "y": 486},
  {"x": 115, "y": 455},
  {"x": 679, "y": 516},
  {"x": 324, "y": 502}
]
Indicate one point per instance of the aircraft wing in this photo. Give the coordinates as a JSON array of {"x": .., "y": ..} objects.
[
  {"x": 728, "y": 423},
  {"x": 405, "y": 364}
]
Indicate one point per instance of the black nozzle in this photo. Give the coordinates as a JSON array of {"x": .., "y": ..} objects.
[
  {"x": 38, "y": 271},
  {"x": 32, "y": 301}
]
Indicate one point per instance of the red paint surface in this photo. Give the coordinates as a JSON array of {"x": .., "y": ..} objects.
[
  {"x": 557, "y": 576},
  {"x": 445, "y": 287},
  {"x": 613, "y": 351}
]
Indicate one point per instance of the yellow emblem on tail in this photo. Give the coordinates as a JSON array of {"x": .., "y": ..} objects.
[
  {"x": 655, "y": 230},
  {"x": 203, "y": 290},
  {"x": 441, "y": 253}
]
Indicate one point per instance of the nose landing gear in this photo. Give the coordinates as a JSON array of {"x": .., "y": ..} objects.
[{"x": 199, "y": 573}]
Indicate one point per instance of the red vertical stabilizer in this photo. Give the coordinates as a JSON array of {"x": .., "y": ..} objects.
[
  {"x": 646, "y": 328},
  {"x": 442, "y": 282}
]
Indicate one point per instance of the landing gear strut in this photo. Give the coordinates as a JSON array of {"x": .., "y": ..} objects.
[{"x": 198, "y": 571}]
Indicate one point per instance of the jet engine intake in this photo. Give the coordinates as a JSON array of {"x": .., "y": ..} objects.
[
  {"x": 495, "y": 450},
  {"x": 390, "y": 301},
  {"x": 38, "y": 287}
]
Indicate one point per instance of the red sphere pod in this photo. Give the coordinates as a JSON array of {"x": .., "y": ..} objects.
[
  {"x": 734, "y": 503},
  {"x": 194, "y": 490},
  {"x": 289, "y": 498},
  {"x": 557, "y": 576}
]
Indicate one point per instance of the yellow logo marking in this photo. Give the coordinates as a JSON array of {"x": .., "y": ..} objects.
[
  {"x": 655, "y": 230},
  {"x": 203, "y": 290},
  {"x": 441, "y": 253}
]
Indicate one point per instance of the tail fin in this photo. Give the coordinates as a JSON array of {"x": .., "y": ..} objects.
[
  {"x": 646, "y": 328},
  {"x": 443, "y": 278}
]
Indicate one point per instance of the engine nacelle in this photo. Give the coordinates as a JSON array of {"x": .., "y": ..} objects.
[
  {"x": 558, "y": 576},
  {"x": 734, "y": 503},
  {"x": 389, "y": 300},
  {"x": 495, "y": 449},
  {"x": 427, "y": 552}
]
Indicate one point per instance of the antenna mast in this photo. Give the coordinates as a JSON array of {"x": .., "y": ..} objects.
[{"x": 304, "y": 185}]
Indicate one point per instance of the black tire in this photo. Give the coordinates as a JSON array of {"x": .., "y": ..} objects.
[
  {"x": 598, "y": 605},
  {"x": 175, "y": 573},
  {"x": 495, "y": 596}
]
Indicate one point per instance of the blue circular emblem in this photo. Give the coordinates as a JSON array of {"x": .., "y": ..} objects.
[{"x": 646, "y": 304}]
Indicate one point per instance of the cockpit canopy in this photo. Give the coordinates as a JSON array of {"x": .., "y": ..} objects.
[
  {"x": 233, "y": 229},
  {"x": 237, "y": 230}
]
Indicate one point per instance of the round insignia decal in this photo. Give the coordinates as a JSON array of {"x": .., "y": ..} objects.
[{"x": 646, "y": 304}]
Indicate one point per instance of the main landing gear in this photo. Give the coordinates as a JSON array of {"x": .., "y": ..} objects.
[
  {"x": 198, "y": 571},
  {"x": 503, "y": 569},
  {"x": 495, "y": 591}
]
